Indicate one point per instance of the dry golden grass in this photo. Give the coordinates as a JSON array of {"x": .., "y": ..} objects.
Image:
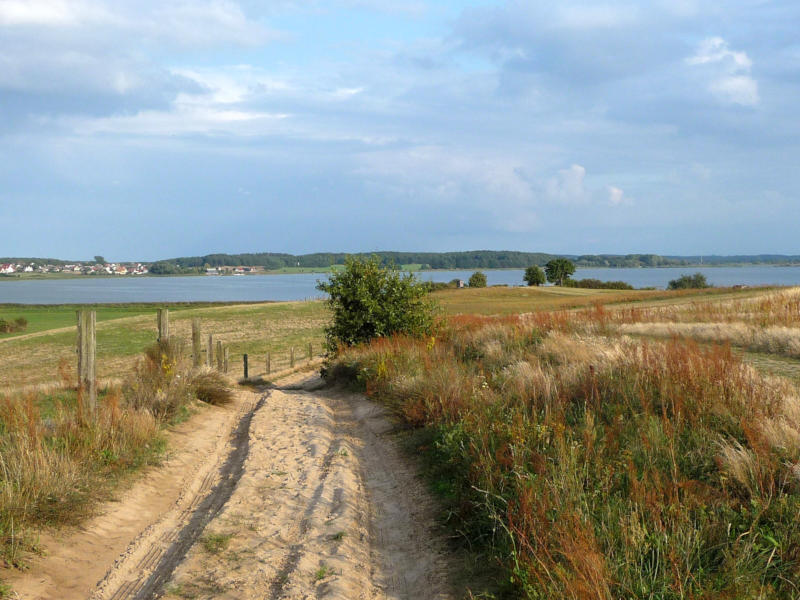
[
  {"x": 593, "y": 465},
  {"x": 504, "y": 301}
]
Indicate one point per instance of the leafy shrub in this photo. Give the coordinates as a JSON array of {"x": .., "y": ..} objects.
[
  {"x": 370, "y": 301},
  {"x": 596, "y": 284},
  {"x": 477, "y": 280},
  {"x": 685, "y": 282}
]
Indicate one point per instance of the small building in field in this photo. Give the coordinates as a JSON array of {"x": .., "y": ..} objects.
[{"x": 6, "y": 268}]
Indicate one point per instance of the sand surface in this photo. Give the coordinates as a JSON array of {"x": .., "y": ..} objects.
[{"x": 323, "y": 505}]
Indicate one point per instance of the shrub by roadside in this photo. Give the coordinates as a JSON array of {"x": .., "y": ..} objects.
[{"x": 13, "y": 326}]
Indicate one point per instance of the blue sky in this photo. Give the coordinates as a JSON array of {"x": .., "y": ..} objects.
[{"x": 142, "y": 130}]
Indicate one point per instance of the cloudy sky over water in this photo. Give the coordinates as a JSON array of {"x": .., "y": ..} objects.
[{"x": 141, "y": 130}]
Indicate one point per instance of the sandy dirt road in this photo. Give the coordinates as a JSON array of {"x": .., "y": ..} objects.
[{"x": 293, "y": 492}]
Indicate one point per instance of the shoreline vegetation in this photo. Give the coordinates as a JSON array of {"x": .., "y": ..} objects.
[
  {"x": 268, "y": 263},
  {"x": 336, "y": 268}
]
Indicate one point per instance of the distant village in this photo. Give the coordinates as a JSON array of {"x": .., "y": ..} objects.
[
  {"x": 91, "y": 268},
  {"x": 77, "y": 269}
]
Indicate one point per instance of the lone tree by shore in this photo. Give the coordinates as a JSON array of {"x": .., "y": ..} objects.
[
  {"x": 559, "y": 270},
  {"x": 477, "y": 280},
  {"x": 534, "y": 276}
]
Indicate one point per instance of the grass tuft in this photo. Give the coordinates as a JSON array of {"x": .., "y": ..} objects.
[
  {"x": 215, "y": 543},
  {"x": 212, "y": 387}
]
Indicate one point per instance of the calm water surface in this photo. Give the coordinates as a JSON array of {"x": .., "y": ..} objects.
[{"x": 302, "y": 286}]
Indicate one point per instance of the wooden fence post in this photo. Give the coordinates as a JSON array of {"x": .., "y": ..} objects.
[
  {"x": 244, "y": 360},
  {"x": 163, "y": 324},
  {"x": 220, "y": 356},
  {"x": 269, "y": 363},
  {"x": 226, "y": 360},
  {"x": 291, "y": 357},
  {"x": 310, "y": 351},
  {"x": 87, "y": 349},
  {"x": 197, "y": 350},
  {"x": 210, "y": 353}
]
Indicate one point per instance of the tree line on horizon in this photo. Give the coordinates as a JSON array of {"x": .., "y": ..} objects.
[
  {"x": 476, "y": 259},
  {"x": 479, "y": 259}
]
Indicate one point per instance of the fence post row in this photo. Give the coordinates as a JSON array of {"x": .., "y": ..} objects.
[
  {"x": 87, "y": 351},
  {"x": 197, "y": 350},
  {"x": 163, "y": 324}
]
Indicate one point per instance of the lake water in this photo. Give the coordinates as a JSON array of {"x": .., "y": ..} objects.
[{"x": 302, "y": 286}]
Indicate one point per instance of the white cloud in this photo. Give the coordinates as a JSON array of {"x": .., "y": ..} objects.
[
  {"x": 715, "y": 50},
  {"x": 731, "y": 82},
  {"x": 197, "y": 23},
  {"x": 182, "y": 119},
  {"x": 47, "y": 13},
  {"x": 617, "y": 197},
  {"x": 567, "y": 185},
  {"x": 736, "y": 89}
]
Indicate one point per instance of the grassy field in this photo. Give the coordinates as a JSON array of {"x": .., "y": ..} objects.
[
  {"x": 515, "y": 300},
  {"x": 33, "y": 357},
  {"x": 245, "y": 328},
  {"x": 55, "y": 316}
]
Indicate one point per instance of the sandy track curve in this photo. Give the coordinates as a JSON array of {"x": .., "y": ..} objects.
[{"x": 326, "y": 506}]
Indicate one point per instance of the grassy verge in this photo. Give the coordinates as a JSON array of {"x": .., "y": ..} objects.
[
  {"x": 589, "y": 466},
  {"x": 57, "y": 459}
]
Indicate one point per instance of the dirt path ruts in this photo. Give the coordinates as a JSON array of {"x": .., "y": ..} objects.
[
  {"x": 328, "y": 507},
  {"x": 135, "y": 529},
  {"x": 307, "y": 489}
]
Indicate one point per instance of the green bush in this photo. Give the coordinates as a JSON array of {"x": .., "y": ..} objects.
[
  {"x": 477, "y": 280},
  {"x": 596, "y": 284},
  {"x": 369, "y": 301},
  {"x": 689, "y": 282},
  {"x": 15, "y": 326}
]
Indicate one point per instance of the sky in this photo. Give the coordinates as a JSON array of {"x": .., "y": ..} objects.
[{"x": 139, "y": 129}]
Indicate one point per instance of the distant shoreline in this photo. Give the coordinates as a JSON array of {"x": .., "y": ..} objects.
[{"x": 322, "y": 271}]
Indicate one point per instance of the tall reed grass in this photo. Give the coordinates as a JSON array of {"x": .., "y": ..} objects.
[{"x": 596, "y": 467}]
